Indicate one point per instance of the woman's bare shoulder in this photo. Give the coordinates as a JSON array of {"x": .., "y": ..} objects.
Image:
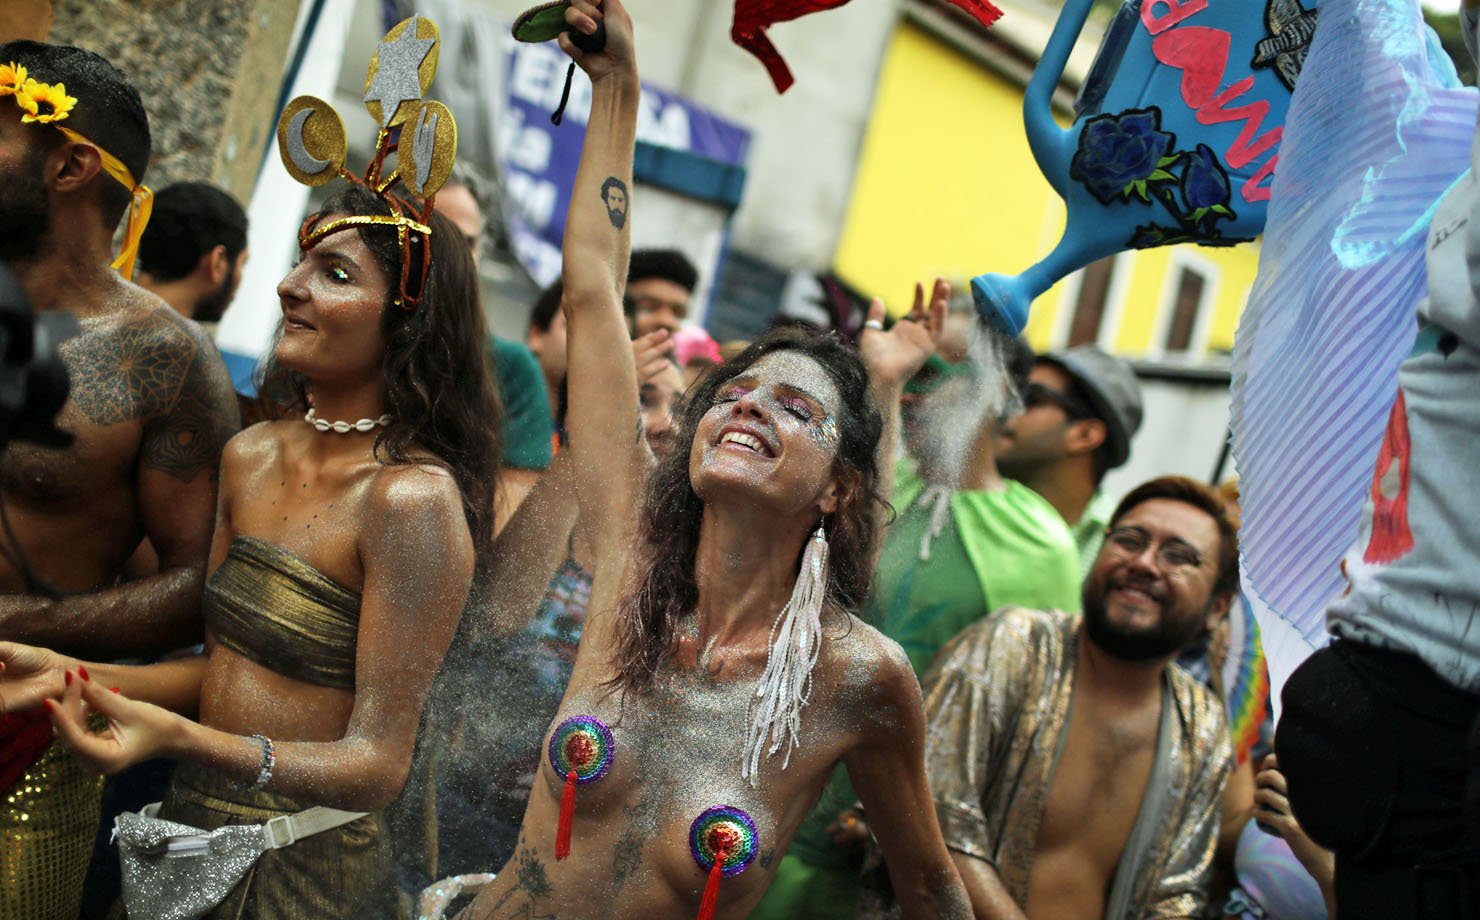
[
  {"x": 865, "y": 666},
  {"x": 257, "y": 447}
]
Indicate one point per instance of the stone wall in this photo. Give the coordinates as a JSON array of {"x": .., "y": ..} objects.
[
  {"x": 25, "y": 19},
  {"x": 209, "y": 72}
]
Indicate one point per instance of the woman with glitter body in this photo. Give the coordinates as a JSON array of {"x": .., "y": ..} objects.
[
  {"x": 339, "y": 568},
  {"x": 644, "y": 780}
]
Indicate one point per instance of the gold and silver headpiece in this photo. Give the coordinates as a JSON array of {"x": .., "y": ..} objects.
[{"x": 311, "y": 140}]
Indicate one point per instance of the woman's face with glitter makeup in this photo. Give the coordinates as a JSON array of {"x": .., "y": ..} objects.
[
  {"x": 332, "y": 302},
  {"x": 771, "y": 434}
]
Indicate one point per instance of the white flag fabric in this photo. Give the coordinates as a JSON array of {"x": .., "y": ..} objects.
[{"x": 1378, "y": 129}]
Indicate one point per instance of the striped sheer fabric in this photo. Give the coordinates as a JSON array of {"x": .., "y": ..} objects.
[{"x": 1377, "y": 131}]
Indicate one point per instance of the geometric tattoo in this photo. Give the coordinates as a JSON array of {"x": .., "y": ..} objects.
[{"x": 151, "y": 370}]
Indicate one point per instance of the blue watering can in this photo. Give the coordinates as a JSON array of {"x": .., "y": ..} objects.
[{"x": 1175, "y": 136}]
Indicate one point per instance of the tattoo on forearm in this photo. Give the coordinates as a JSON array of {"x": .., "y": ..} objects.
[
  {"x": 531, "y": 882},
  {"x": 614, "y": 196}
]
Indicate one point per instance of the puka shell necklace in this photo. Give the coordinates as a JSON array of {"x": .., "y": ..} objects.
[{"x": 364, "y": 424}]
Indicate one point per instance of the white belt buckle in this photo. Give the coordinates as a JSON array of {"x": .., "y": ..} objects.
[{"x": 280, "y": 832}]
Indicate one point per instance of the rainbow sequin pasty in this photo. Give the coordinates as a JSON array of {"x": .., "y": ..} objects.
[
  {"x": 583, "y": 744},
  {"x": 727, "y": 829}
]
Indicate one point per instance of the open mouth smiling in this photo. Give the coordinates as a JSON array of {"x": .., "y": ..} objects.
[{"x": 741, "y": 439}]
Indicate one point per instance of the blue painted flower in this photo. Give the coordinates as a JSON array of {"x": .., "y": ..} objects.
[
  {"x": 1116, "y": 152},
  {"x": 1204, "y": 183}
]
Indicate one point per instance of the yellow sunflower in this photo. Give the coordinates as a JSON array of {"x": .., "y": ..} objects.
[
  {"x": 53, "y": 96},
  {"x": 12, "y": 79}
]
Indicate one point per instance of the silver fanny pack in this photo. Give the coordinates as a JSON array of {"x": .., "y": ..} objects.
[{"x": 177, "y": 872}]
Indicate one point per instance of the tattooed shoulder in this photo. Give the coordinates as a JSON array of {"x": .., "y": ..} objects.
[{"x": 161, "y": 370}]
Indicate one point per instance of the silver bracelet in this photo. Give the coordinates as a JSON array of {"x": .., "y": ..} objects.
[{"x": 269, "y": 760}]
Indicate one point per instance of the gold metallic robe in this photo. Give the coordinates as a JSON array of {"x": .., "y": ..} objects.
[{"x": 997, "y": 704}]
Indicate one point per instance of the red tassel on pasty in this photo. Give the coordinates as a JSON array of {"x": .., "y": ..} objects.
[
  {"x": 723, "y": 841},
  {"x": 581, "y": 750}
]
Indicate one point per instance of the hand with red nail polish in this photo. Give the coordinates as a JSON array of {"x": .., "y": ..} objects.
[
  {"x": 29, "y": 675},
  {"x": 134, "y": 731}
]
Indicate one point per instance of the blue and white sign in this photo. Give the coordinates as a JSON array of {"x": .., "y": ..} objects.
[{"x": 538, "y": 160}]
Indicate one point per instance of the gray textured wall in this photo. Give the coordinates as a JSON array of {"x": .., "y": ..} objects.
[{"x": 208, "y": 71}]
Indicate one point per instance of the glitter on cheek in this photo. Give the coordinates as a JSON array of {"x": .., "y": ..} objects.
[{"x": 824, "y": 432}]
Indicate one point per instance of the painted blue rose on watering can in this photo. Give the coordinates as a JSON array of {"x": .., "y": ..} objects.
[{"x": 1175, "y": 137}]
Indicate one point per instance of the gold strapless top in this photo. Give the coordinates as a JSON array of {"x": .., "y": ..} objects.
[{"x": 268, "y": 605}]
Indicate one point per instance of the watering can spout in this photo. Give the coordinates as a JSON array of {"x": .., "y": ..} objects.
[
  {"x": 1001, "y": 301},
  {"x": 1052, "y": 145}
]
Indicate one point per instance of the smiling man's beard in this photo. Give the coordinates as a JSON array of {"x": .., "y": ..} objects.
[
  {"x": 25, "y": 213},
  {"x": 1167, "y": 638}
]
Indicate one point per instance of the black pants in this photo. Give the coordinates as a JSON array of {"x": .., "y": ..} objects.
[{"x": 1382, "y": 757}]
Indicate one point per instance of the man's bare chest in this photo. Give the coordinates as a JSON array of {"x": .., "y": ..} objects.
[
  {"x": 95, "y": 465},
  {"x": 1099, "y": 783}
]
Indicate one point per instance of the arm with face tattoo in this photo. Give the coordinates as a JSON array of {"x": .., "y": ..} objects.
[
  {"x": 162, "y": 371},
  {"x": 602, "y": 419}
]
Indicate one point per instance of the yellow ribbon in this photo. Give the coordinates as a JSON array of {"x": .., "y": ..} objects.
[{"x": 139, "y": 209}]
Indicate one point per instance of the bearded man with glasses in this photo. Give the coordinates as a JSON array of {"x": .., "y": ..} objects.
[{"x": 1078, "y": 772}]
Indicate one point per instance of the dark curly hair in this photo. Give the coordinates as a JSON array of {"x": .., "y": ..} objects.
[
  {"x": 439, "y": 390},
  {"x": 667, "y": 589}
]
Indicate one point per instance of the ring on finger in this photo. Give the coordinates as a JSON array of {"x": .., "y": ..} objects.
[{"x": 874, "y": 324}]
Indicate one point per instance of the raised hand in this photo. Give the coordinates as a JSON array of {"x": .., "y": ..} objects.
[
  {"x": 29, "y": 675},
  {"x": 652, "y": 352},
  {"x": 893, "y": 357},
  {"x": 135, "y": 731},
  {"x": 617, "y": 56}
]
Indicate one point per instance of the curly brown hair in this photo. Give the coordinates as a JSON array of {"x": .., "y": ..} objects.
[
  {"x": 667, "y": 588},
  {"x": 439, "y": 388}
]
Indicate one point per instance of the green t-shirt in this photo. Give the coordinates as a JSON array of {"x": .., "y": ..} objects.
[
  {"x": 1089, "y": 533},
  {"x": 1006, "y": 548},
  {"x": 521, "y": 387}
]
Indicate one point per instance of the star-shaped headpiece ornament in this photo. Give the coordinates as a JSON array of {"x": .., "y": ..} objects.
[
  {"x": 312, "y": 143},
  {"x": 395, "y": 73}
]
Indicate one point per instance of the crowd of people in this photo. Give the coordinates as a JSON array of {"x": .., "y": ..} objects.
[{"x": 615, "y": 621}]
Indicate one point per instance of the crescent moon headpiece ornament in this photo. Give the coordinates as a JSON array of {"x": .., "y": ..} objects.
[{"x": 311, "y": 140}]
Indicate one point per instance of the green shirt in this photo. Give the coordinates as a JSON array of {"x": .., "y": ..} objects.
[
  {"x": 950, "y": 558},
  {"x": 1089, "y": 533},
  {"x": 521, "y": 388}
]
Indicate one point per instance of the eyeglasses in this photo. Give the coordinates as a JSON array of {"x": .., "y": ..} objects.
[
  {"x": 1173, "y": 556},
  {"x": 1036, "y": 394}
]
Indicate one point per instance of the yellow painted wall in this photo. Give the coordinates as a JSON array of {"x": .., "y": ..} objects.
[{"x": 946, "y": 185}]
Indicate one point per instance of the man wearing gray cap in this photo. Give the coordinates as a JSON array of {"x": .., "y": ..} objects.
[{"x": 1082, "y": 408}]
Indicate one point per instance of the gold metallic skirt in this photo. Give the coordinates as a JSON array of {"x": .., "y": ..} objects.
[{"x": 47, "y": 825}]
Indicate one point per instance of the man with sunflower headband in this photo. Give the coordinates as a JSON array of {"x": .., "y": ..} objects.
[{"x": 150, "y": 408}]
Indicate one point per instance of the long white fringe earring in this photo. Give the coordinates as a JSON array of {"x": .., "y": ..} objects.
[{"x": 796, "y": 643}]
